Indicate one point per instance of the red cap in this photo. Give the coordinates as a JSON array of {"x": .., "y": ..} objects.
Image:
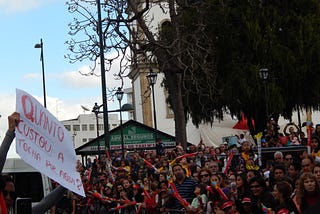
[
  {"x": 283, "y": 211},
  {"x": 227, "y": 204},
  {"x": 246, "y": 200}
]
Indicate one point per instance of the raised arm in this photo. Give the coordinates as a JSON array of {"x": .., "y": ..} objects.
[
  {"x": 49, "y": 201},
  {"x": 13, "y": 121}
]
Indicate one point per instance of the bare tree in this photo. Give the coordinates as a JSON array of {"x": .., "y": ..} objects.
[{"x": 133, "y": 35}]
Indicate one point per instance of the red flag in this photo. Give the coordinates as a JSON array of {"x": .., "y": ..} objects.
[{"x": 229, "y": 162}]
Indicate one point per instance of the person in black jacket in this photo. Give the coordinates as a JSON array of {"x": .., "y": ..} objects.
[
  {"x": 242, "y": 192},
  {"x": 159, "y": 147}
]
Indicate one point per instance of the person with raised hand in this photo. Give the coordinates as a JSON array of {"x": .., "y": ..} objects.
[{"x": 53, "y": 197}]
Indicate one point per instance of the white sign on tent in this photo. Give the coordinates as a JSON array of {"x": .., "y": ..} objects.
[{"x": 44, "y": 143}]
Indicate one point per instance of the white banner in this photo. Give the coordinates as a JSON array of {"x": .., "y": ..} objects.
[{"x": 44, "y": 143}]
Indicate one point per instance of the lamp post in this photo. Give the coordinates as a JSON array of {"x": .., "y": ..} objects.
[
  {"x": 96, "y": 111},
  {"x": 40, "y": 45},
  {"x": 103, "y": 78},
  {"x": 264, "y": 73},
  {"x": 152, "y": 79},
  {"x": 119, "y": 95},
  {"x": 74, "y": 137}
]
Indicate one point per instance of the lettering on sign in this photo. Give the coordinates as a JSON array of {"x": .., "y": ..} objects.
[
  {"x": 28, "y": 149},
  {"x": 40, "y": 119},
  {"x": 44, "y": 143}
]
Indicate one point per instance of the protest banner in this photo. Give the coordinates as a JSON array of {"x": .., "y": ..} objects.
[{"x": 44, "y": 143}]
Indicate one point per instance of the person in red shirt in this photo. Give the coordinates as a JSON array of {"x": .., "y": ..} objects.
[{"x": 308, "y": 193}]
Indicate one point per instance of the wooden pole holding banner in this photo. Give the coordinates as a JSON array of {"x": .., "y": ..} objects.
[{"x": 258, "y": 138}]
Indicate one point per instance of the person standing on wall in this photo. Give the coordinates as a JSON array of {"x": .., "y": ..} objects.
[{"x": 159, "y": 147}]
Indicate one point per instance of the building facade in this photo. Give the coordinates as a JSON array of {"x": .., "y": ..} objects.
[{"x": 85, "y": 128}]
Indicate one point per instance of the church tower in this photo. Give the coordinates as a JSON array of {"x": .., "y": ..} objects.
[{"x": 141, "y": 66}]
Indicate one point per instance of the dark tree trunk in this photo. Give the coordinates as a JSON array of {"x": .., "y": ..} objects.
[{"x": 174, "y": 80}]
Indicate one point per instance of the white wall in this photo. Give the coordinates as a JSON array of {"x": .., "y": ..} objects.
[{"x": 138, "y": 100}]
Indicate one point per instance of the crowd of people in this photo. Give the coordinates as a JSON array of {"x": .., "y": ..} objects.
[{"x": 201, "y": 179}]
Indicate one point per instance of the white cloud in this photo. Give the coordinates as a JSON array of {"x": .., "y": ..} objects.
[
  {"x": 32, "y": 76},
  {"x": 75, "y": 79},
  {"x": 14, "y": 6},
  {"x": 7, "y": 106},
  {"x": 85, "y": 78}
]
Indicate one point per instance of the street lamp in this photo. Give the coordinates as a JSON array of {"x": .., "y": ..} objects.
[
  {"x": 119, "y": 95},
  {"x": 74, "y": 137},
  {"x": 152, "y": 79},
  {"x": 264, "y": 74},
  {"x": 96, "y": 111},
  {"x": 40, "y": 45}
]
